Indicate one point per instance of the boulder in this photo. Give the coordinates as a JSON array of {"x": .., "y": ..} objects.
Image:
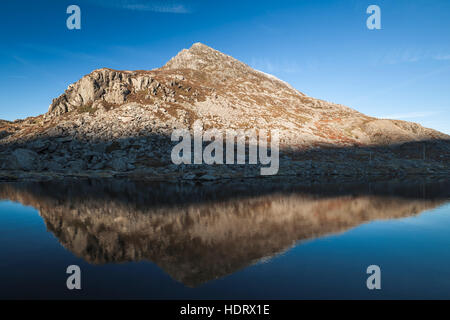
[
  {"x": 39, "y": 145},
  {"x": 53, "y": 165},
  {"x": 208, "y": 177},
  {"x": 98, "y": 166},
  {"x": 76, "y": 165},
  {"x": 188, "y": 176},
  {"x": 24, "y": 159},
  {"x": 119, "y": 164}
]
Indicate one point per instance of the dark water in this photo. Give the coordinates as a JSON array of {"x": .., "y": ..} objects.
[{"x": 254, "y": 239}]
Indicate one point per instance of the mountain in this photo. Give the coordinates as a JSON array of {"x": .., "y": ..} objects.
[
  {"x": 202, "y": 83},
  {"x": 121, "y": 121}
]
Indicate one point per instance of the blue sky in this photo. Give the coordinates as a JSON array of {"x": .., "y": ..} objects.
[{"x": 323, "y": 48}]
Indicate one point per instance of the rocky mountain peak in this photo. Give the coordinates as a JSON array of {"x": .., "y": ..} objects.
[
  {"x": 203, "y": 57},
  {"x": 194, "y": 75}
]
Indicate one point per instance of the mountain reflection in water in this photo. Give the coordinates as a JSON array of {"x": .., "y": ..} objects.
[{"x": 200, "y": 232}]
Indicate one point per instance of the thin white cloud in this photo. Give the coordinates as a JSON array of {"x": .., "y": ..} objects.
[
  {"x": 411, "y": 115},
  {"x": 55, "y": 52},
  {"x": 442, "y": 57},
  {"x": 397, "y": 56},
  {"x": 20, "y": 60},
  {"x": 402, "y": 84},
  {"x": 18, "y": 77},
  {"x": 269, "y": 66},
  {"x": 161, "y": 6},
  {"x": 408, "y": 55},
  {"x": 179, "y": 8}
]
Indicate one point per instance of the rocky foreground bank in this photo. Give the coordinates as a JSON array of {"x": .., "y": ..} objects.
[{"x": 140, "y": 159}]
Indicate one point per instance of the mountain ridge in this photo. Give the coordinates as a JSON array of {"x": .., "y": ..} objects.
[
  {"x": 131, "y": 114},
  {"x": 219, "y": 81}
]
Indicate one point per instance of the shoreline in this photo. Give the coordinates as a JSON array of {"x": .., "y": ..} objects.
[{"x": 300, "y": 171}]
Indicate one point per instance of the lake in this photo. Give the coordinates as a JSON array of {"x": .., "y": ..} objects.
[{"x": 249, "y": 239}]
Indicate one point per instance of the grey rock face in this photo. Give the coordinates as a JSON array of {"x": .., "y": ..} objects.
[
  {"x": 24, "y": 159},
  {"x": 39, "y": 145},
  {"x": 53, "y": 166},
  {"x": 189, "y": 176},
  {"x": 105, "y": 85},
  {"x": 4, "y": 162},
  {"x": 3, "y": 133},
  {"x": 98, "y": 148},
  {"x": 97, "y": 166}
]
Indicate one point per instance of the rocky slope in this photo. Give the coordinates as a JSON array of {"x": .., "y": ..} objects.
[{"x": 120, "y": 121}]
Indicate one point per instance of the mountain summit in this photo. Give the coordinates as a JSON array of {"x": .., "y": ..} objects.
[
  {"x": 203, "y": 58},
  {"x": 111, "y": 107}
]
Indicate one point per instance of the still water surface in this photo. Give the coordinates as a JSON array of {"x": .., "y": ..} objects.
[{"x": 250, "y": 240}]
